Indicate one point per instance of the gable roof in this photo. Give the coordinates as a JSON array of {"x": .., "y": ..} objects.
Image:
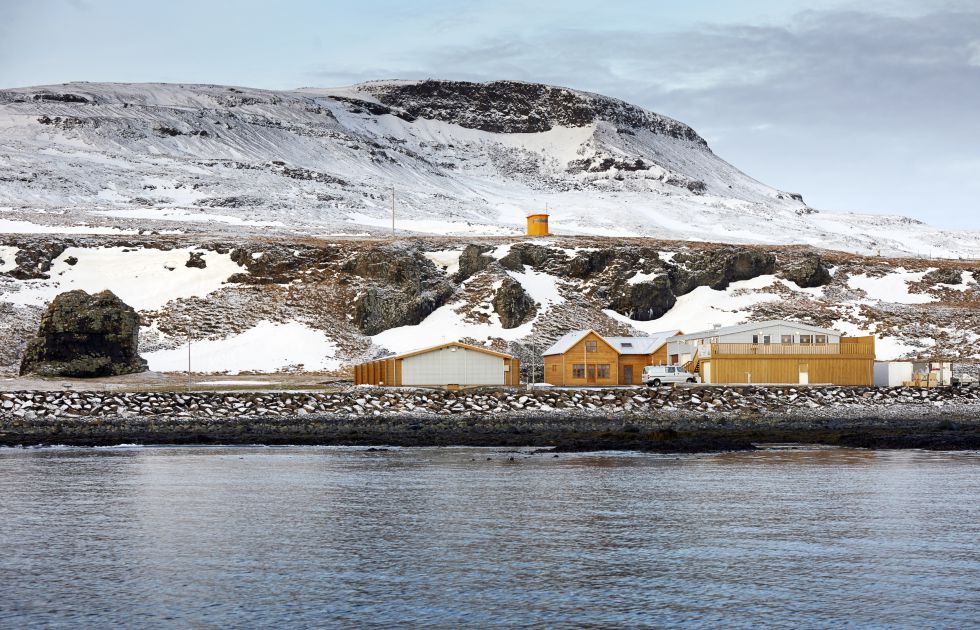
[
  {"x": 457, "y": 344},
  {"x": 638, "y": 345},
  {"x": 750, "y": 326}
]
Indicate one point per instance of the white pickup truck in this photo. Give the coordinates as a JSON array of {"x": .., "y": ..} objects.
[{"x": 656, "y": 375}]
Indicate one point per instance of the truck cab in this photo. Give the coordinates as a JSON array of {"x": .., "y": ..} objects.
[{"x": 657, "y": 375}]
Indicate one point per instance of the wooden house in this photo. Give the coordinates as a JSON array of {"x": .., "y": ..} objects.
[
  {"x": 584, "y": 357},
  {"x": 450, "y": 365},
  {"x": 777, "y": 352}
]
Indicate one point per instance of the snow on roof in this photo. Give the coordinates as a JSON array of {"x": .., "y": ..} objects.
[
  {"x": 749, "y": 326},
  {"x": 457, "y": 344},
  {"x": 623, "y": 345}
]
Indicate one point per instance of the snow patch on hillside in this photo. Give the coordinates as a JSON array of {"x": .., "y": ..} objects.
[
  {"x": 8, "y": 255},
  {"x": 892, "y": 287},
  {"x": 267, "y": 347},
  {"x": 145, "y": 279},
  {"x": 703, "y": 307}
]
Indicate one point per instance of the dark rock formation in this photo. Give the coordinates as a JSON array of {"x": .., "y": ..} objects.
[
  {"x": 717, "y": 269},
  {"x": 405, "y": 287},
  {"x": 515, "y": 107},
  {"x": 588, "y": 263},
  {"x": 472, "y": 261},
  {"x": 806, "y": 271},
  {"x": 526, "y": 254},
  {"x": 643, "y": 301},
  {"x": 379, "y": 308},
  {"x": 944, "y": 276},
  {"x": 196, "y": 260},
  {"x": 85, "y": 336},
  {"x": 512, "y": 303},
  {"x": 34, "y": 260}
]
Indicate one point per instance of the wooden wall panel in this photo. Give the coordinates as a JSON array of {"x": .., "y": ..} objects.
[{"x": 786, "y": 370}]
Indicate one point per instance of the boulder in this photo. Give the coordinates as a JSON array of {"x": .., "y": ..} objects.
[
  {"x": 807, "y": 271},
  {"x": 196, "y": 260},
  {"x": 85, "y": 336},
  {"x": 944, "y": 276},
  {"x": 512, "y": 303}
]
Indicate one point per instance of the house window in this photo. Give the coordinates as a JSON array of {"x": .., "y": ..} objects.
[
  {"x": 590, "y": 346},
  {"x": 578, "y": 371},
  {"x": 821, "y": 338},
  {"x": 626, "y": 344},
  {"x": 602, "y": 371},
  {"x": 766, "y": 339},
  {"x": 787, "y": 339},
  {"x": 807, "y": 339},
  {"x": 755, "y": 338}
]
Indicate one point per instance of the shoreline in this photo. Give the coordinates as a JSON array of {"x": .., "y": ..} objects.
[{"x": 558, "y": 432}]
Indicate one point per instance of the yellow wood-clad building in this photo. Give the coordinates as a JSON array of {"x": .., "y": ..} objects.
[
  {"x": 775, "y": 352},
  {"x": 586, "y": 358}
]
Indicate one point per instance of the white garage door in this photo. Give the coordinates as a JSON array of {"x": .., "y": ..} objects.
[{"x": 453, "y": 366}]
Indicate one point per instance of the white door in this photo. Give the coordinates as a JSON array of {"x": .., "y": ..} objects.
[
  {"x": 705, "y": 372},
  {"x": 804, "y": 374}
]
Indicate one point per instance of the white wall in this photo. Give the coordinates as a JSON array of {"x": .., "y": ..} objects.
[
  {"x": 892, "y": 373},
  {"x": 453, "y": 366}
]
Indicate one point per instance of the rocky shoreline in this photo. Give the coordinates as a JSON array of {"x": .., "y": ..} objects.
[{"x": 682, "y": 419}]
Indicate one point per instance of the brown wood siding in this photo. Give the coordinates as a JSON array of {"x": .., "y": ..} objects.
[
  {"x": 576, "y": 355},
  {"x": 638, "y": 362},
  {"x": 835, "y": 370}
]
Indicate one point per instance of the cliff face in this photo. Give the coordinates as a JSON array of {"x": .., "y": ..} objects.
[{"x": 350, "y": 300}]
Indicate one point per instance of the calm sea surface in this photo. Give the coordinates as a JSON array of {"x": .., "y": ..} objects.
[{"x": 325, "y": 537}]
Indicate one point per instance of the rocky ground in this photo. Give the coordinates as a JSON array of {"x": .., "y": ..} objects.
[
  {"x": 354, "y": 290},
  {"x": 682, "y": 418}
]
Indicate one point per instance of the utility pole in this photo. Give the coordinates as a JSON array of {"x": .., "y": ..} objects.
[{"x": 188, "y": 357}]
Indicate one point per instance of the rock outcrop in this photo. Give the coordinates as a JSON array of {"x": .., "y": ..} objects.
[
  {"x": 944, "y": 276},
  {"x": 717, "y": 269},
  {"x": 472, "y": 260},
  {"x": 85, "y": 336},
  {"x": 512, "y": 303},
  {"x": 404, "y": 287},
  {"x": 806, "y": 271},
  {"x": 644, "y": 301}
]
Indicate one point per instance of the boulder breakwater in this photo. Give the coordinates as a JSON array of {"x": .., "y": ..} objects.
[{"x": 667, "y": 418}]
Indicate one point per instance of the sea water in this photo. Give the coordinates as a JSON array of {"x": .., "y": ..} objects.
[{"x": 212, "y": 537}]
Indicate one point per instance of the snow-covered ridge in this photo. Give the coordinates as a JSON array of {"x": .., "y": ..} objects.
[{"x": 462, "y": 158}]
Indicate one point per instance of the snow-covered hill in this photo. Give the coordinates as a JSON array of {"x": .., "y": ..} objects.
[{"x": 462, "y": 158}]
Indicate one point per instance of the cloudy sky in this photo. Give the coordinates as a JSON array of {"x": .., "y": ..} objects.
[{"x": 869, "y": 106}]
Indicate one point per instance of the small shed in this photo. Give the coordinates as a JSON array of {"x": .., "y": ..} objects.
[
  {"x": 450, "y": 365},
  {"x": 537, "y": 224},
  {"x": 892, "y": 373}
]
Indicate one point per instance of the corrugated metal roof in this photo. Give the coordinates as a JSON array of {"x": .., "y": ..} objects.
[{"x": 623, "y": 345}]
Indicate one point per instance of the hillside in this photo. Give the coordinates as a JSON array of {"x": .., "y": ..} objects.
[
  {"x": 462, "y": 158},
  {"x": 268, "y": 304}
]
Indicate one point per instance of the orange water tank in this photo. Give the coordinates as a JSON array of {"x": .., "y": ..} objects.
[{"x": 537, "y": 224}]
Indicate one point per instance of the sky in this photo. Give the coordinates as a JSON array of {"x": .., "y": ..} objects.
[{"x": 870, "y": 106}]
